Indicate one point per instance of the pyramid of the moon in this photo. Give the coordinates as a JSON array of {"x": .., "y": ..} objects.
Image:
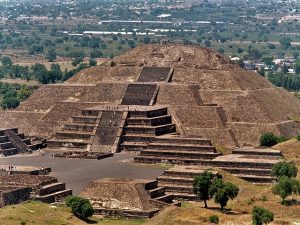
[{"x": 205, "y": 94}]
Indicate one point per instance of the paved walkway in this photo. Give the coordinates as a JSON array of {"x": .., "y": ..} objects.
[{"x": 77, "y": 173}]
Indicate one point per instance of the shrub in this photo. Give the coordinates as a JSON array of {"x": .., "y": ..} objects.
[
  {"x": 268, "y": 139},
  {"x": 281, "y": 139},
  {"x": 298, "y": 137},
  {"x": 286, "y": 186},
  {"x": 213, "y": 219},
  {"x": 80, "y": 207},
  {"x": 284, "y": 169},
  {"x": 261, "y": 216}
]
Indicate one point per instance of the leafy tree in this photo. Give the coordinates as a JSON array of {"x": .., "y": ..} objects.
[
  {"x": 95, "y": 53},
  {"x": 268, "y": 139},
  {"x": 147, "y": 40},
  {"x": 284, "y": 169},
  {"x": 80, "y": 207},
  {"x": 223, "y": 191},
  {"x": 286, "y": 186},
  {"x": 297, "y": 66},
  {"x": 201, "y": 186},
  {"x": 40, "y": 72},
  {"x": 92, "y": 62},
  {"x": 207, "y": 43},
  {"x": 51, "y": 55},
  {"x": 285, "y": 42},
  {"x": 261, "y": 216},
  {"x": 6, "y": 61},
  {"x": 55, "y": 73}
]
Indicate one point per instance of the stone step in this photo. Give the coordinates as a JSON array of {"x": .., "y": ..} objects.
[
  {"x": 248, "y": 171},
  {"x": 3, "y": 139},
  {"x": 68, "y": 143},
  {"x": 153, "y": 121},
  {"x": 145, "y": 138},
  {"x": 9, "y": 151},
  {"x": 256, "y": 178},
  {"x": 175, "y": 180},
  {"x": 132, "y": 146},
  {"x": 263, "y": 152},
  {"x": 90, "y": 112},
  {"x": 175, "y": 153},
  {"x": 151, "y": 185},
  {"x": 148, "y": 113},
  {"x": 6, "y": 145},
  {"x": 85, "y": 119},
  {"x": 170, "y": 160},
  {"x": 181, "y": 174},
  {"x": 73, "y": 134},
  {"x": 155, "y": 130},
  {"x": 165, "y": 198},
  {"x": 184, "y": 196},
  {"x": 27, "y": 141},
  {"x": 182, "y": 147},
  {"x": 183, "y": 140},
  {"x": 157, "y": 192},
  {"x": 50, "y": 198},
  {"x": 79, "y": 127},
  {"x": 51, "y": 188},
  {"x": 186, "y": 189},
  {"x": 242, "y": 164},
  {"x": 34, "y": 147}
]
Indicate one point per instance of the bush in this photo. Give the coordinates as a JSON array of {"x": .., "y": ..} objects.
[
  {"x": 298, "y": 137},
  {"x": 261, "y": 216},
  {"x": 286, "y": 186},
  {"x": 284, "y": 169},
  {"x": 268, "y": 139},
  {"x": 80, "y": 207},
  {"x": 213, "y": 219}
]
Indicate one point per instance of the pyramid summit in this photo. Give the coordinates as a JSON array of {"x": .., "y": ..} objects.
[{"x": 206, "y": 96}]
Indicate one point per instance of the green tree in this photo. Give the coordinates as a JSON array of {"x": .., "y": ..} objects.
[
  {"x": 51, "y": 55},
  {"x": 6, "y": 61},
  {"x": 297, "y": 66},
  {"x": 268, "y": 139},
  {"x": 286, "y": 186},
  {"x": 284, "y": 169},
  {"x": 223, "y": 191},
  {"x": 201, "y": 186},
  {"x": 92, "y": 62},
  {"x": 285, "y": 42},
  {"x": 80, "y": 207},
  {"x": 261, "y": 216}
]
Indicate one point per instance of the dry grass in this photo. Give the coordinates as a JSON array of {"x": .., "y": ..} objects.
[
  {"x": 240, "y": 208},
  {"x": 37, "y": 213},
  {"x": 291, "y": 151}
]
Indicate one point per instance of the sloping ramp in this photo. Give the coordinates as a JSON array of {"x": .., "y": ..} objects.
[
  {"x": 107, "y": 130},
  {"x": 154, "y": 74},
  {"x": 139, "y": 94}
]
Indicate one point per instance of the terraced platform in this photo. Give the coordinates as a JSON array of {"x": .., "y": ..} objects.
[
  {"x": 138, "y": 198},
  {"x": 178, "y": 181},
  {"x": 12, "y": 143},
  {"x": 43, "y": 188}
]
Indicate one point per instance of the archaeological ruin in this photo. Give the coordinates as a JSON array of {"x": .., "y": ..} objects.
[{"x": 169, "y": 104}]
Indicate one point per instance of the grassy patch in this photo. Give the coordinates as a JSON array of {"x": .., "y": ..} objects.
[{"x": 37, "y": 213}]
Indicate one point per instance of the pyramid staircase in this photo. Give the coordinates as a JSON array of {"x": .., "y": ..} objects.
[
  {"x": 51, "y": 191},
  {"x": 152, "y": 134},
  {"x": 12, "y": 142},
  {"x": 158, "y": 194},
  {"x": 78, "y": 133},
  {"x": 178, "y": 181},
  {"x": 251, "y": 164}
]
